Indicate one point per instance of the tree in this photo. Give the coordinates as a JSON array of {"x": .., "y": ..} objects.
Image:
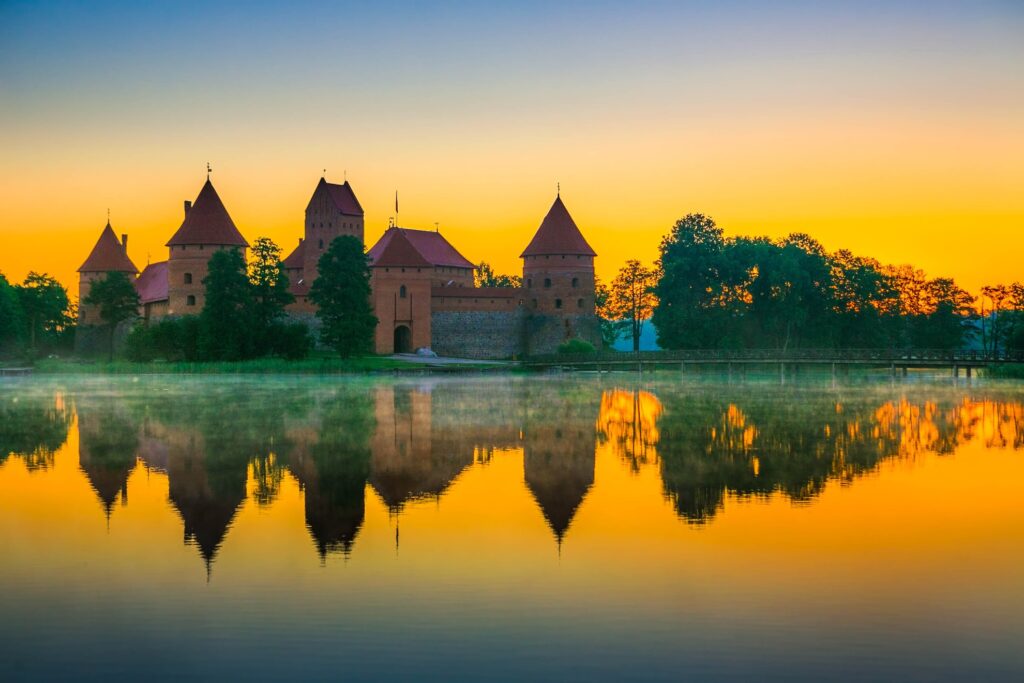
[
  {"x": 12, "y": 321},
  {"x": 611, "y": 326},
  {"x": 269, "y": 291},
  {"x": 46, "y": 308},
  {"x": 631, "y": 297},
  {"x": 691, "y": 285},
  {"x": 115, "y": 296},
  {"x": 342, "y": 295},
  {"x": 226, "y": 321},
  {"x": 486, "y": 277}
]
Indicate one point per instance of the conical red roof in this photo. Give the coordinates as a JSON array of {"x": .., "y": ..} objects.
[
  {"x": 558, "y": 235},
  {"x": 108, "y": 254},
  {"x": 208, "y": 222}
]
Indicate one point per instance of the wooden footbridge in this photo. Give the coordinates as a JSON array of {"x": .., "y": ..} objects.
[{"x": 895, "y": 360}]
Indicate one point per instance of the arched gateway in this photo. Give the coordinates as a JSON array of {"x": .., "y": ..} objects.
[{"x": 403, "y": 339}]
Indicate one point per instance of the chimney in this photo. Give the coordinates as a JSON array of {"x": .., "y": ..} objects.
[
  {"x": 124, "y": 241},
  {"x": 188, "y": 205}
]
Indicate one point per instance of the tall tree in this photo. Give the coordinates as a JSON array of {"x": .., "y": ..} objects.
[
  {"x": 46, "y": 308},
  {"x": 692, "y": 284},
  {"x": 631, "y": 297},
  {"x": 611, "y": 326},
  {"x": 12, "y": 321},
  {"x": 226, "y": 321},
  {"x": 269, "y": 291},
  {"x": 341, "y": 292},
  {"x": 486, "y": 277},
  {"x": 115, "y": 296}
]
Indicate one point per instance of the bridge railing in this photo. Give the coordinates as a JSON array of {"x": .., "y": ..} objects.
[{"x": 785, "y": 355}]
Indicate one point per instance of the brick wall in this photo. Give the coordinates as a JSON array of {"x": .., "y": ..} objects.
[{"x": 478, "y": 334}]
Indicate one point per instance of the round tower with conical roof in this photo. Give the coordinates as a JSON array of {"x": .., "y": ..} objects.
[
  {"x": 206, "y": 229},
  {"x": 108, "y": 255},
  {"x": 558, "y": 279}
]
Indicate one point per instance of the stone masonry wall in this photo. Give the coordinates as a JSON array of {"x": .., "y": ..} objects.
[
  {"x": 478, "y": 334},
  {"x": 544, "y": 333}
]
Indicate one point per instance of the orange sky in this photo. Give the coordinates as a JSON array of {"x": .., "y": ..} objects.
[{"x": 893, "y": 132}]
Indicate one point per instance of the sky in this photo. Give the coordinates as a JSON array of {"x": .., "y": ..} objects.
[{"x": 894, "y": 129}]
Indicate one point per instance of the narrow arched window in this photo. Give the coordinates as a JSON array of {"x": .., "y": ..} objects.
[
  {"x": 579, "y": 303},
  {"x": 575, "y": 282},
  {"x": 547, "y": 282},
  {"x": 190, "y": 300},
  {"x": 401, "y": 292},
  {"x": 558, "y": 303},
  {"x": 321, "y": 244},
  {"x": 188, "y": 278}
]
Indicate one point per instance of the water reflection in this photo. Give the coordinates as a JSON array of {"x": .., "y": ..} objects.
[{"x": 220, "y": 444}]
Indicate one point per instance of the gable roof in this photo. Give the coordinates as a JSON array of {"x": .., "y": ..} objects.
[
  {"x": 558, "y": 234},
  {"x": 297, "y": 258},
  {"x": 416, "y": 248},
  {"x": 152, "y": 283},
  {"x": 108, "y": 254},
  {"x": 342, "y": 196},
  {"x": 208, "y": 222}
]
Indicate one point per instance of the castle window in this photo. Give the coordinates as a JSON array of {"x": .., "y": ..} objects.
[
  {"x": 563, "y": 257},
  {"x": 200, "y": 247},
  {"x": 547, "y": 282},
  {"x": 403, "y": 270},
  {"x": 188, "y": 278},
  {"x": 190, "y": 300},
  {"x": 529, "y": 283},
  {"x": 579, "y": 303},
  {"x": 575, "y": 282},
  {"x": 401, "y": 292},
  {"x": 558, "y": 303},
  {"x": 534, "y": 303},
  {"x": 321, "y": 244}
]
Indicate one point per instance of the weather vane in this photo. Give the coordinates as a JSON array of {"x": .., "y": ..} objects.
[
  {"x": 558, "y": 189},
  {"x": 208, "y": 170}
]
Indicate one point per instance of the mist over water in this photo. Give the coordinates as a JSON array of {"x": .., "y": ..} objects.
[{"x": 578, "y": 527}]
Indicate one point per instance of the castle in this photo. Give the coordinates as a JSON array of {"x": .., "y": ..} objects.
[{"x": 423, "y": 291}]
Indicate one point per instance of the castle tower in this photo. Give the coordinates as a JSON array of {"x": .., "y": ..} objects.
[
  {"x": 333, "y": 210},
  {"x": 108, "y": 255},
  {"x": 558, "y": 267},
  {"x": 207, "y": 228}
]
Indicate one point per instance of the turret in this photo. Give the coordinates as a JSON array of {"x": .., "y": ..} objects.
[
  {"x": 107, "y": 255},
  {"x": 558, "y": 267},
  {"x": 333, "y": 210},
  {"x": 206, "y": 229}
]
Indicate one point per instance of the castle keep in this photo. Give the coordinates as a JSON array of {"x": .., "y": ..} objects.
[{"x": 423, "y": 291}]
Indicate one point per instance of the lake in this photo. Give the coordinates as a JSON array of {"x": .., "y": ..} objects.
[{"x": 566, "y": 527}]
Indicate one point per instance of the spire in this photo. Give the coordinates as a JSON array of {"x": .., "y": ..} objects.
[
  {"x": 208, "y": 222},
  {"x": 558, "y": 234},
  {"x": 108, "y": 254}
]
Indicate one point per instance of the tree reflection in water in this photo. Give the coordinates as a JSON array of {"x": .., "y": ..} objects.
[{"x": 33, "y": 427}]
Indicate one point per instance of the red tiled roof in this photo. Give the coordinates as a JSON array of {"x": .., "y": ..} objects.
[
  {"x": 108, "y": 254},
  {"x": 477, "y": 292},
  {"x": 152, "y": 283},
  {"x": 558, "y": 234},
  {"x": 343, "y": 197},
  {"x": 208, "y": 222},
  {"x": 416, "y": 248},
  {"x": 297, "y": 258}
]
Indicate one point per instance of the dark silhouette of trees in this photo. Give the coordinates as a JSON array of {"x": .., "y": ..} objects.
[
  {"x": 269, "y": 293},
  {"x": 117, "y": 300},
  {"x": 227, "y": 319},
  {"x": 46, "y": 308},
  {"x": 12, "y": 322},
  {"x": 342, "y": 295},
  {"x": 755, "y": 292},
  {"x": 486, "y": 277}
]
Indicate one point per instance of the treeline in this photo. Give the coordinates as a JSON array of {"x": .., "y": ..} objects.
[
  {"x": 755, "y": 292},
  {"x": 36, "y": 317}
]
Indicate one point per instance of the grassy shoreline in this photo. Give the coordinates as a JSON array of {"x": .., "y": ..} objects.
[{"x": 309, "y": 366}]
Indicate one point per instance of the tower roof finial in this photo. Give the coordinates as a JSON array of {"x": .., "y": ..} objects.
[
  {"x": 208, "y": 170},
  {"x": 558, "y": 189}
]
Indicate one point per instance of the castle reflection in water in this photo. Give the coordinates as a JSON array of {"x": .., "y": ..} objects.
[{"x": 221, "y": 443}]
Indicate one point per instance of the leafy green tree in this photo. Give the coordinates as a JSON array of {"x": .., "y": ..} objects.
[
  {"x": 226, "y": 321},
  {"x": 269, "y": 291},
  {"x": 486, "y": 277},
  {"x": 117, "y": 300},
  {"x": 46, "y": 308},
  {"x": 341, "y": 292},
  {"x": 945, "y": 322},
  {"x": 631, "y": 298},
  {"x": 611, "y": 327},
  {"x": 12, "y": 322},
  {"x": 693, "y": 286}
]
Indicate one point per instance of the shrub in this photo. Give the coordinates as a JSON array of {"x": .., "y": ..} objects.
[
  {"x": 171, "y": 339},
  {"x": 291, "y": 341},
  {"x": 576, "y": 346}
]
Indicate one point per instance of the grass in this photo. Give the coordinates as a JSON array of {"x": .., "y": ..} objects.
[
  {"x": 323, "y": 365},
  {"x": 1010, "y": 371}
]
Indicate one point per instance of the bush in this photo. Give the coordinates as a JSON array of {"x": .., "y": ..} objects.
[
  {"x": 171, "y": 339},
  {"x": 576, "y": 346},
  {"x": 291, "y": 341}
]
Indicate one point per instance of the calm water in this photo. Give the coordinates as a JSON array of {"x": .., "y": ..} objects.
[{"x": 577, "y": 528}]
